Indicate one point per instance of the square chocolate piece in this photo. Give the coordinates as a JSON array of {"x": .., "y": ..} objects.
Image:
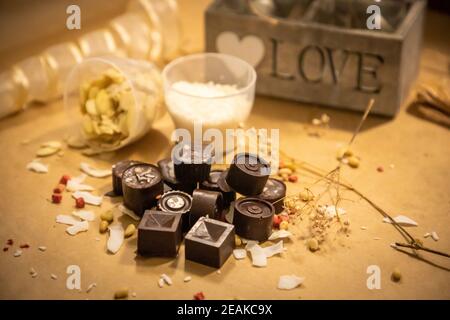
[
  {"x": 209, "y": 242},
  {"x": 159, "y": 234}
]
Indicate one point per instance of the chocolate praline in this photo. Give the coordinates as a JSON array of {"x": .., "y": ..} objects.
[
  {"x": 192, "y": 163},
  {"x": 253, "y": 218},
  {"x": 117, "y": 172},
  {"x": 167, "y": 171},
  {"x": 159, "y": 234},
  {"x": 177, "y": 202},
  {"x": 274, "y": 191},
  {"x": 248, "y": 174},
  {"x": 229, "y": 195},
  {"x": 141, "y": 184},
  {"x": 206, "y": 203},
  {"x": 209, "y": 242}
]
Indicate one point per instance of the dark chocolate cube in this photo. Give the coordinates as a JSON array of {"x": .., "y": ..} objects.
[
  {"x": 159, "y": 234},
  {"x": 209, "y": 242}
]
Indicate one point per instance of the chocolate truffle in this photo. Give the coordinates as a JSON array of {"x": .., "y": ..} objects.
[
  {"x": 248, "y": 174},
  {"x": 177, "y": 202},
  {"x": 192, "y": 163},
  {"x": 206, "y": 203},
  {"x": 274, "y": 191},
  {"x": 117, "y": 171},
  {"x": 209, "y": 242},
  {"x": 228, "y": 194},
  {"x": 159, "y": 234},
  {"x": 141, "y": 184},
  {"x": 167, "y": 171},
  {"x": 253, "y": 218}
]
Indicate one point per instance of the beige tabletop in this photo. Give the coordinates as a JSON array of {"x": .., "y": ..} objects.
[{"x": 414, "y": 153}]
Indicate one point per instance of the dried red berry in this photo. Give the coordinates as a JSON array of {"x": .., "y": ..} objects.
[
  {"x": 5, "y": 249},
  {"x": 79, "y": 203},
  {"x": 59, "y": 188},
  {"x": 380, "y": 169},
  {"x": 276, "y": 221},
  {"x": 199, "y": 296},
  {"x": 64, "y": 179},
  {"x": 56, "y": 198},
  {"x": 10, "y": 242},
  {"x": 24, "y": 246},
  {"x": 293, "y": 178}
]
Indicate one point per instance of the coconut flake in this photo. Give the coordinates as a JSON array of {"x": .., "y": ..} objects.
[
  {"x": 289, "y": 282},
  {"x": 17, "y": 253},
  {"x": 250, "y": 244},
  {"x": 259, "y": 258},
  {"x": 37, "y": 166},
  {"x": 77, "y": 228},
  {"x": 402, "y": 220},
  {"x": 84, "y": 215},
  {"x": 66, "y": 219},
  {"x": 93, "y": 172},
  {"x": 166, "y": 279},
  {"x": 435, "y": 236},
  {"x": 161, "y": 282},
  {"x": 128, "y": 212},
  {"x": 187, "y": 279},
  {"x": 88, "y": 197},
  {"x": 280, "y": 234},
  {"x": 76, "y": 184},
  {"x": 115, "y": 240},
  {"x": 273, "y": 250},
  {"x": 239, "y": 254},
  {"x": 42, "y": 248}
]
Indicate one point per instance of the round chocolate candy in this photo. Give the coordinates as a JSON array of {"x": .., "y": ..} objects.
[
  {"x": 141, "y": 184},
  {"x": 192, "y": 163},
  {"x": 253, "y": 218},
  {"x": 167, "y": 171},
  {"x": 248, "y": 174},
  {"x": 229, "y": 195},
  {"x": 206, "y": 203},
  {"x": 177, "y": 202},
  {"x": 117, "y": 172},
  {"x": 274, "y": 191}
]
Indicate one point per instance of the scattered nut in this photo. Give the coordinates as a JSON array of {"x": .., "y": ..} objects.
[
  {"x": 293, "y": 178},
  {"x": 344, "y": 152},
  {"x": 313, "y": 245},
  {"x": 396, "y": 275},
  {"x": 107, "y": 216},
  {"x": 284, "y": 171},
  {"x": 353, "y": 162},
  {"x": 103, "y": 226},
  {"x": 129, "y": 231},
  {"x": 237, "y": 241},
  {"x": 121, "y": 294},
  {"x": 284, "y": 225},
  {"x": 306, "y": 195},
  {"x": 187, "y": 279}
]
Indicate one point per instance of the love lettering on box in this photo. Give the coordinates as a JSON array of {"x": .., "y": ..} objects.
[{"x": 320, "y": 63}]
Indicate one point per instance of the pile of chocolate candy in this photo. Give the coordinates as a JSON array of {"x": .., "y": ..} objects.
[{"x": 183, "y": 196}]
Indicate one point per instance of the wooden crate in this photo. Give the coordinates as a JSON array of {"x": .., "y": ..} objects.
[{"x": 312, "y": 62}]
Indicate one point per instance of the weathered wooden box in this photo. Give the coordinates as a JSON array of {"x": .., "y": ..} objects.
[{"x": 333, "y": 59}]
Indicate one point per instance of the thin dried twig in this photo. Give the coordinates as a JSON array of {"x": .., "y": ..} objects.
[{"x": 334, "y": 178}]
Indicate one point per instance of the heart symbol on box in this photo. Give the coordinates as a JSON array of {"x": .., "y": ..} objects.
[{"x": 249, "y": 48}]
